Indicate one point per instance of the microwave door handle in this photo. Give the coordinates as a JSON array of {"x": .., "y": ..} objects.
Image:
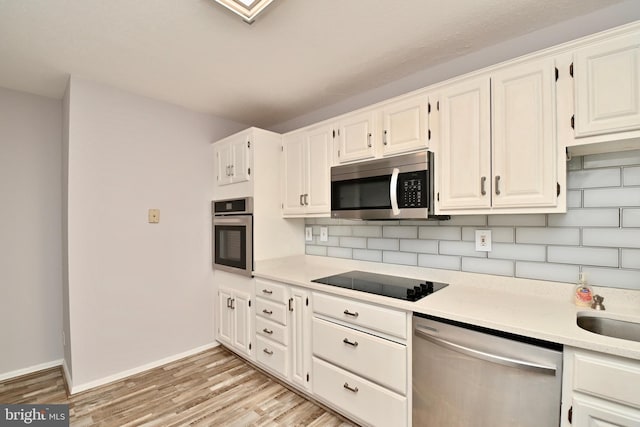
[{"x": 393, "y": 191}]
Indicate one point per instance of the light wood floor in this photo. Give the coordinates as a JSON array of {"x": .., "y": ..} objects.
[{"x": 212, "y": 388}]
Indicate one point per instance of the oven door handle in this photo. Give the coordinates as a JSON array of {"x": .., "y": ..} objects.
[
  {"x": 477, "y": 354},
  {"x": 393, "y": 191}
]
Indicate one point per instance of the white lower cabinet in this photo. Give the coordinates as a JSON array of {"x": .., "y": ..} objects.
[
  {"x": 234, "y": 319},
  {"x": 604, "y": 390}
]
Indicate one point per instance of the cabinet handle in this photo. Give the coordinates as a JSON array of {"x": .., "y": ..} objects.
[
  {"x": 570, "y": 415},
  {"x": 306, "y": 200},
  {"x": 269, "y": 352},
  {"x": 348, "y": 313},
  {"x": 267, "y": 331},
  {"x": 228, "y": 302},
  {"x": 353, "y": 344},
  {"x": 265, "y": 311},
  {"x": 497, "y": 183},
  {"x": 233, "y": 301},
  {"x": 483, "y": 180},
  {"x": 384, "y": 138},
  {"x": 290, "y": 304},
  {"x": 301, "y": 204},
  {"x": 354, "y": 389},
  {"x": 267, "y": 291},
  {"x": 227, "y": 170},
  {"x": 369, "y": 140},
  {"x": 232, "y": 170}
]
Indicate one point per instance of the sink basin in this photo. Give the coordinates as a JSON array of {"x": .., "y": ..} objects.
[{"x": 610, "y": 327}]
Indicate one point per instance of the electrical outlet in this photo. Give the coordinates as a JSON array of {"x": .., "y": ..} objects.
[
  {"x": 324, "y": 234},
  {"x": 483, "y": 240},
  {"x": 154, "y": 216},
  {"x": 308, "y": 234}
]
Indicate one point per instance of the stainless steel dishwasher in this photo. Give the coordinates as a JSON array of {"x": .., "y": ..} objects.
[{"x": 466, "y": 376}]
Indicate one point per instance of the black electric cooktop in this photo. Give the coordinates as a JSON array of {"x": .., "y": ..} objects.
[{"x": 381, "y": 284}]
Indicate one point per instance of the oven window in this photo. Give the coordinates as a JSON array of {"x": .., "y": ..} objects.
[
  {"x": 362, "y": 193},
  {"x": 230, "y": 245}
]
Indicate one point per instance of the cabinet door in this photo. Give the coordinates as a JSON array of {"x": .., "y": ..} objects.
[
  {"x": 293, "y": 181},
  {"x": 404, "y": 125},
  {"x": 225, "y": 316},
  {"x": 607, "y": 86},
  {"x": 593, "y": 412},
  {"x": 222, "y": 152},
  {"x": 300, "y": 338},
  {"x": 464, "y": 162},
  {"x": 523, "y": 135},
  {"x": 240, "y": 151},
  {"x": 356, "y": 134},
  {"x": 242, "y": 322},
  {"x": 317, "y": 197}
]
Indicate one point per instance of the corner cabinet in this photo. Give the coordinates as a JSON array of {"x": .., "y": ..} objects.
[
  {"x": 497, "y": 143},
  {"x": 306, "y": 163},
  {"x": 234, "y": 320},
  {"x": 232, "y": 159}
]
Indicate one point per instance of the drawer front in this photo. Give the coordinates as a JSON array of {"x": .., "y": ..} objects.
[
  {"x": 389, "y": 321},
  {"x": 362, "y": 399},
  {"x": 270, "y": 310},
  {"x": 272, "y": 355},
  {"x": 271, "y": 290},
  {"x": 271, "y": 330},
  {"x": 607, "y": 377}
]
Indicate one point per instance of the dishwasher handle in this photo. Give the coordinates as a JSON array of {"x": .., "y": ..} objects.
[{"x": 477, "y": 354}]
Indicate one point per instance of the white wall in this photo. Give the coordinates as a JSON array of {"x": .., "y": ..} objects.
[
  {"x": 138, "y": 292},
  {"x": 625, "y": 12},
  {"x": 30, "y": 235}
]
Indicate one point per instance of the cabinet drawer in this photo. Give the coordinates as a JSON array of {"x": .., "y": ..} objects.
[
  {"x": 272, "y": 355},
  {"x": 271, "y": 310},
  {"x": 362, "y": 353},
  {"x": 611, "y": 378},
  {"x": 271, "y": 290},
  {"x": 271, "y": 330},
  {"x": 392, "y": 322},
  {"x": 369, "y": 402}
]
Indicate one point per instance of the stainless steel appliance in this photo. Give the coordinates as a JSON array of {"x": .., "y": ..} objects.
[
  {"x": 399, "y": 187},
  {"x": 466, "y": 376},
  {"x": 233, "y": 235},
  {"x": 381, "y": 284}
]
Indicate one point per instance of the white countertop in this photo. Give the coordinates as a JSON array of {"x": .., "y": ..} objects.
[{"x": 533, "y": 308}]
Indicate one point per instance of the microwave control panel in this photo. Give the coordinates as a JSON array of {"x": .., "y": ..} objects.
[{"x": 412, "y": 190}]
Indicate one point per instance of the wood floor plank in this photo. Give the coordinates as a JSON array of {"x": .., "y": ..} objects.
[{"x": 211, "y": 388}]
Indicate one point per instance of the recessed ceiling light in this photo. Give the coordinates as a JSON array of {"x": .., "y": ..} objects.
[{"x": 247, "y": 9}]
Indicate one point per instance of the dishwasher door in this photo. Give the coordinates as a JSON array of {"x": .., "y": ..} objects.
[{"x": 472, "y": 378}]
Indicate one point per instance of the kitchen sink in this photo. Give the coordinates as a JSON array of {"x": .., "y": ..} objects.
[{"x": 610, "y": 327}]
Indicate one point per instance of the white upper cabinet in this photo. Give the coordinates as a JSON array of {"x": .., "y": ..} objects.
[
  {"x": 306, "y": 178},
  {"x": 355, "y": 137},
  {"x": 232, "y": 157},
  {"x": 497, "y": 146},
  {"x": 404, "y": 125},
  {"x": 607, "y": 86}
]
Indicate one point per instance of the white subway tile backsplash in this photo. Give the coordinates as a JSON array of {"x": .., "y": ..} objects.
[
  {"x": 631, "y": 176},
  {"x": 583, "y": 256},
  {"x": 439, "y": 261},
  {"x": 631, "y": 217},
  {"x": 367, "y": 255},
  {"x": 479, "y": 220},
  {"x": 498, "y": 234},
  {"x": 532, "y": 220},
  {"x": 519, "y": 252},
  {"x": 340, "y": 252},
  {"x": 618, "y": 238},
  {"x": 547, "y": 271},
  {"x": 366, "y": 230},
  {"x": 575, "y": 163},
  {"x": 613, "y": 277},
  {"x": 316, "y": 250},
  {"x": 340, "y": 230},
  {"x": 548, "y": 236},
  {"x": 441, "y": 233},
  {"x": 353, "y": 242},
  {"x": 460, "y": 248},
  {"x": 405, "y": 258},
  {"x": 401, "y": 231},
  {"x": 611, "y": 197},
  {"x": 332, "y": 241},
  {"x": 620, "y": 158},
  {"x": 574, "y": 199},
  {"x": 586, "y": 218},
  {"x": 630, "y": 258},
  {"x": 594, "y": 178},
  {"x": 419, "y": 246},
  {"x": 488, "y": 266},
  {"x": 384, "y": 244}
]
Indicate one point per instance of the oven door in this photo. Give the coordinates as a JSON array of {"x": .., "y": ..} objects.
[{"x": 233, "y": 243}]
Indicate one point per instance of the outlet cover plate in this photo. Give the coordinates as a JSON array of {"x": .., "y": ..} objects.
[
  {"x": 308, "y": 234},
  {"x": 483, "y": 240},
  {"x": 324, "y": 234}
]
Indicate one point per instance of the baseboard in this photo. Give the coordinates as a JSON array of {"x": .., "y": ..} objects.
[
  {"x": 30, "y": 369},
  {"x": 67, "y": 376},
  {"x": 74, "y": 389}
]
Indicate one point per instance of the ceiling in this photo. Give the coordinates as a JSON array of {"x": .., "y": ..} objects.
[{"x": 298, "y": 56}]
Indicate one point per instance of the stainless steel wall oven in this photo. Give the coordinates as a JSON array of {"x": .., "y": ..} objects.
[{"x": 233, "y": 235}]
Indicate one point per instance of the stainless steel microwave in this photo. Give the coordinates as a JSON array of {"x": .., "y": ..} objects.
[
  {"x": 399, "y": 187},
  {"x": 233, "y": 235}
]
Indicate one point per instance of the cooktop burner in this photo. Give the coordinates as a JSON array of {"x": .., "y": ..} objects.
[{"x": 381, "y": 284}]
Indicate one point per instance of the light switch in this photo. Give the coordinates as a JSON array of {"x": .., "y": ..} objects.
[
  {"x": 483, "y": 240},
  {"x": 308, "y": 234},
  {"x": 154, "y": 216}
]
